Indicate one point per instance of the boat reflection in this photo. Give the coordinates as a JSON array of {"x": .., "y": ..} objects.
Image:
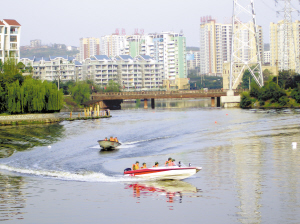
[{"x": 172, "y": 190}]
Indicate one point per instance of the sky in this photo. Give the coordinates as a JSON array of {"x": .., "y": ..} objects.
[{"x": 66, "y": 21}]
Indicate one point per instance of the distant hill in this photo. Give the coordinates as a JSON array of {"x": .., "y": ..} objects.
[
  {"x": 46, "y": 52},
  {"x": 192, "y": 49}
]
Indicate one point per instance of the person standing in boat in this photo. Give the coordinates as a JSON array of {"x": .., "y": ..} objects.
[
  {"x": 116, "y": 139},
  {"x": 111, "y": 139},
  {"x": 105, "y": 139},
  {"x": 136, "y": 166},
  {"x": 156, "y": 164}
]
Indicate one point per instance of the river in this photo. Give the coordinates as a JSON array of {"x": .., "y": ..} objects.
[{"x": 250, "y": 170}]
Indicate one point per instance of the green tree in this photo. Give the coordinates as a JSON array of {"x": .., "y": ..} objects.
[
  {"x": 34, "y": 96},
  {"x": 81, "y": 92},
  {"x": 245, "y": 80},
  {"x": 295, "y": 94},
  {"x": 255, "y": 90},
  {"x": 271, "y": 91},
  {"x": 266, "y": 74},
  {"x": 112, "y": 87}
]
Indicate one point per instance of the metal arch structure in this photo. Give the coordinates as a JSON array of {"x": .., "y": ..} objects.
[
  {"x": 245, "y": 51},
  {"x": 289, "y": 57}
]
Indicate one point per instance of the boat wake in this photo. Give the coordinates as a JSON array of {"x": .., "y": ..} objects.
[
  {"x": 64, "y": 175},
  {"x": 146, "y": 140}
]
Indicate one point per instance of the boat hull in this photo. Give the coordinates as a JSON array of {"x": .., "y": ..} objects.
[
  {"x": 108, "y": 145},
  {"x": 165, "y": 173}
]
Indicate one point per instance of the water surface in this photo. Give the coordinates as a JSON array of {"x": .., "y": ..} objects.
[{"x": 56, "y": 173}]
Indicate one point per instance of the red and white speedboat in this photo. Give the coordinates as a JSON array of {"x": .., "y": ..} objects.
[{"x": 163, "y": 173}]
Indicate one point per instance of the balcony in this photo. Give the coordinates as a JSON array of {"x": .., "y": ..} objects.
[{"x": 13, "y": 39}]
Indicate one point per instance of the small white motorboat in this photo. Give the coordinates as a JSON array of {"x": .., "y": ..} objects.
[
  {"x": 163, "y": 173},
  {"x": 108, "y": 145}
]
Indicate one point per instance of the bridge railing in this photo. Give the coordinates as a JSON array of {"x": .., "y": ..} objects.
[{"x": 167, "y": 92}]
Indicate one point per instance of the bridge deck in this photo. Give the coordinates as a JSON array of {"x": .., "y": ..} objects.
[{"x": 160, "y": 94}]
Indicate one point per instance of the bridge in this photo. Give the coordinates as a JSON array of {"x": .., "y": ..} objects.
[{"x": 102, "y": 98}]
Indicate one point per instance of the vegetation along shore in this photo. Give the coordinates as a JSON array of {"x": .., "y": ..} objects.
[{"x": 282, "y": 91}]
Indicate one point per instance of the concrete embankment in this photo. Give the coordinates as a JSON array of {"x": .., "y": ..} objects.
[{"x": 22, "y": 119}]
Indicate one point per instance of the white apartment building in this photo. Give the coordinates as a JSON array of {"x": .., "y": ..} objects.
[
  {"x": 10, "y": 33},
  {"x": 283, "y": 55},
  {"x": 52, "y": 68},
  {"x": 35, "y": 43},
  {"x": 100, "y": 69},
  {"x": 267, "y": 57},
  {"x": 131, "y": 73},
  {"x": 215, "y": 46},
  {"x": 88, "y": 47}
]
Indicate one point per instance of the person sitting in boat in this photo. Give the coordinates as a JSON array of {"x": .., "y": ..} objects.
[
  {"x": 168, "y": 162},
  {"x": 105, "y": 139},
  {"x": 156, "y": 164},
  {"x": 144, "y": 166},
  {"x": 173, "y": 163},
  {"x": 116, "y": 139},
  {"x": 135, "y": 166},
  {"x": 111, "y": 139}
]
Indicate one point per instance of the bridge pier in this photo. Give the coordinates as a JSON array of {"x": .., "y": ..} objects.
[
  {"x": 231, "y": 100},
  {"x": 145, "y": 104},
  {"x": 152, "y": 103},
  {"x": 213, "y": 102}
]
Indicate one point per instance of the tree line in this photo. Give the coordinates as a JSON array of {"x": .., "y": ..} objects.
[
  {"x": 22, "y": 94},
  {"x": 280, "y": 91}
]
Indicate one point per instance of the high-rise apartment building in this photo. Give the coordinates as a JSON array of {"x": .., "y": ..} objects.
[
  {"x": 267, "y": 57},
  {"x": 280, "y": 57},
  {"x": 10, "y": 32},
  {"x": 88, "y": 47},
  {"x": 193, "y": 59},
  {"x": 113, "y": 45},
  {"x": 167, "y": 48},
  {"x": 215, "y": 46}
]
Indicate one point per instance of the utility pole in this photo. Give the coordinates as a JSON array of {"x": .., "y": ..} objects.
[
  {"x": 245, "y": 47},
  {"x": 289, "y": 57}
]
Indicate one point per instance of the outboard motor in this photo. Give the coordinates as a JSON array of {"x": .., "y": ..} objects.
[{"x": 127, "y": 169}]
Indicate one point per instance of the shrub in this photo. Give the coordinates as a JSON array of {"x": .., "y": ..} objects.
[
  {"x": 283, "y": 100},
  {"x": 245, "y": 100}
]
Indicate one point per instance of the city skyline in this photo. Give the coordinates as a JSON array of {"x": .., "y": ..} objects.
[{"x": 67, "y": 21}]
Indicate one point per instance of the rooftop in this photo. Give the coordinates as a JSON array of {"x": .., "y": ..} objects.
[
  {"x": 11, "y": 22},
  {"x": 102, "y": 57}
]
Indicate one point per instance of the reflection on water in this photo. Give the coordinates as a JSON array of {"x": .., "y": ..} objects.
[
  {"x": 21, "y": 138},
  {"x": 172, "y": 191},
  {"x": 168, "y": 103},
  {"x": 12, "y": 200}
]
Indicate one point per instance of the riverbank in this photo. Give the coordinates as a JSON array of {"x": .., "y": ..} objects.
[{"x": 24, "y": 119}]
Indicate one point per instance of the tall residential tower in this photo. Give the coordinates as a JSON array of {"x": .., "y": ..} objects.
[{"x": 88, "y": 47}]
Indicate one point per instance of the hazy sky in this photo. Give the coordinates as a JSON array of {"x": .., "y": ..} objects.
[{"x": 65, "y": 21}]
